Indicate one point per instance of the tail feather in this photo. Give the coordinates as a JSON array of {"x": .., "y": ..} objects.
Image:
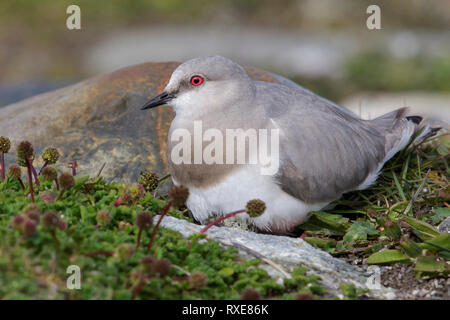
[
  {"x": 388, "y": 121},
  {"x": 415, "y": 119},
  {"x": 397, "y": 121},
  {"x": 400, "y": 130}
]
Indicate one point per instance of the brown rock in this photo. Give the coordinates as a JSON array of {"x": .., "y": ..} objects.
[{"x": 99, "y": 121}]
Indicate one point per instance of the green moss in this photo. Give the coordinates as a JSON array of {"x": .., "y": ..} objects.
[{"x": 30, "y": 268}]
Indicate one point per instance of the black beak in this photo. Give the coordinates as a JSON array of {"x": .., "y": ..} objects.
[{"x": 158, "y": 100}]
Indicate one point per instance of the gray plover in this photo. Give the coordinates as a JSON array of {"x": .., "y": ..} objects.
[{"x": 324, "y": 150}]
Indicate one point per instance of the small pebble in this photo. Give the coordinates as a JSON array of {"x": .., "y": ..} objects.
[{"x": 423, "y": 292}]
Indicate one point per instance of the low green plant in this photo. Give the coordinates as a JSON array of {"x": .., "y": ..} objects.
[{"x": 84, "y": 227}]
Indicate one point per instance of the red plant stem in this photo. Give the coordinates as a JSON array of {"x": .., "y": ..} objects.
[
  {"x": 57, "y": 184},
  {"x": 36, "y": 180},
  {"x": 119, "y": 201},
  {"x": 43, "y": 167},
  {"x": 21, "y": 183},
  {"x": 138, "y": 244},
  {"x": 60, "y": 195},
  {"x": 139, "y": 287},
  {"x": 74, "y": 166},
  {"x": 2, "y": 165},
  {"x": 99, "y": 253},
  {"x": 229, "y": 215},
  {"x": 30, "y": 179},
  {"x": 122, "y": 198},
  {"x": 155, "y": 229}
]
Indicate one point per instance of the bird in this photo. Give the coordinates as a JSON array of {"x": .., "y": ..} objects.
[{"x": 324, "y": 150}]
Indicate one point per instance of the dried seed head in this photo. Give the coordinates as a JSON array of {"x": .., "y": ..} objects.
[
  {"x": 149, "y": 180},
  {"x": 49, "y": 174},
  {"x": 255, "y": 208},
  {"x": 178, "y": 196},
  {"x": 5, "y": 144},
  {"x": 103, "y": 217},
  {"x": 197, "y": 279},
  {"x": 144, "y": 220},
  {"x": 29, "y": 227},
  {"x": 34, "y": 215},
  {"x": 17, "y": 222},
  {"x": 50, "y": 220},
  {"x": 303, "y": 296},
  {"x": 24, "y": 151},
  {"x": 14, "y": 171},
  {"x": 50, "y": 155},
  {"x": 124, "y": 251},
  {"x": 161, "y": 267},
  {"x": 62, "y": 225},
  {"x": 251, "y": 294},
  {"x": 31, "y": 207},
  {"x": 148, "y": 262},
  {"x": 66, "y": 181},
  {"x": 32, "y": 211}
]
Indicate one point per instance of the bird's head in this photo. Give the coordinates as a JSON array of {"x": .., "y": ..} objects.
[{"x": 202, "y": 85}]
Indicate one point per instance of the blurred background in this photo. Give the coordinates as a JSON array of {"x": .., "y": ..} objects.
[{"x": 324, "y": 45}]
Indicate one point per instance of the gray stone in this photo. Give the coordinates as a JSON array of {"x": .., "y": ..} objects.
[
  {"x": 444, "y": 226},
  {"x": 288, "y": 253}
]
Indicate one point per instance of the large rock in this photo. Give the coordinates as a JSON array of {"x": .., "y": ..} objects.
[{"x": 99, "y": 121}]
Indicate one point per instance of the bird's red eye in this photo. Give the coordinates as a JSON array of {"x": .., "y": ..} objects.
[{"x": 196, "y": 80}]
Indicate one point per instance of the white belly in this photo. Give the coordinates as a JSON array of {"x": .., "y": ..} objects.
[{"x": 232, "y": 193}]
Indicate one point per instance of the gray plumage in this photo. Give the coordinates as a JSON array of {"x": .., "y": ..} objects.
[
  {"x": 330, "y": 152},
  {"x": 325, "y": 150}
]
